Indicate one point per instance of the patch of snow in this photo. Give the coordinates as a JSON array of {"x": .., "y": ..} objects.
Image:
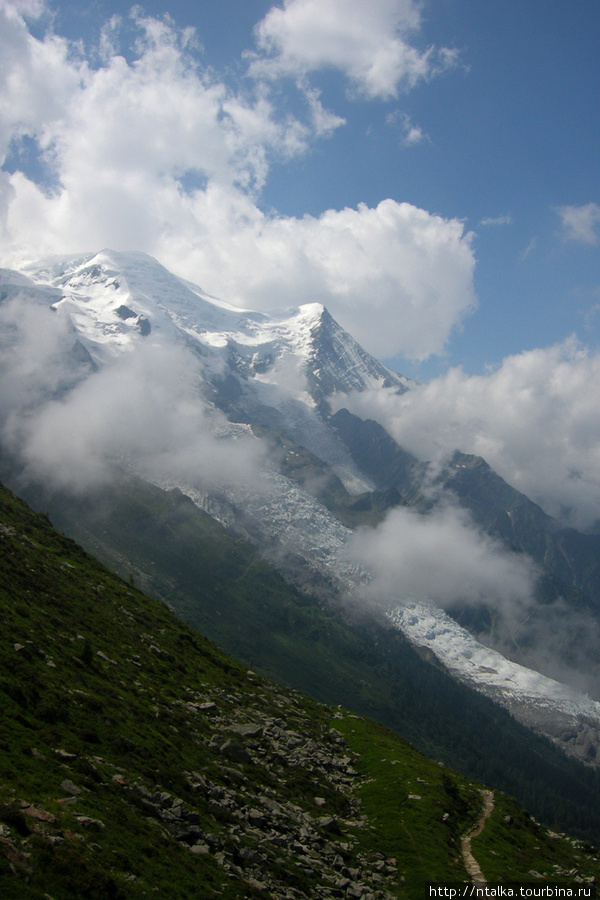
[{"x": 568, "y": 717}]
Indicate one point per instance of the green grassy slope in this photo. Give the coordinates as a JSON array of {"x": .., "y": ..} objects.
[
  {"x": 224, "y": 590},
  {"x": 137, "y": 759}
]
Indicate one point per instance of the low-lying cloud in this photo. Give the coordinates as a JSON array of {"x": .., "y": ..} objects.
[
  {"x": 535, "y": 420},
  {"x": 141, "y": 411},
  {"x": 442, "y": 557}
]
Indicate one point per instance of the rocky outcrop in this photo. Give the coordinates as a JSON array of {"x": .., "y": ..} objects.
[{"x": 261, "y": 829}]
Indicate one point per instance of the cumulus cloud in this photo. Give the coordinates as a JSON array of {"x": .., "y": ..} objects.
[
  {"x": 579, "y": 223},
  {"x": 536, "y": 421},
  {"x": 37, "y": 78},
  {"x": 368, "y": 43},
  {"x": 410, "y": 134},
  {"x": 399, "y": 278},
  {"x": 154, "y": 152}
]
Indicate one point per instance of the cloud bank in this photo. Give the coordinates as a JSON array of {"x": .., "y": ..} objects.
[
  {"x": 442, "y": 557},
  {"x": 136, "y": 144},
  {"x": 73, "y": 427},
  {"x": 536, "y": 420}
]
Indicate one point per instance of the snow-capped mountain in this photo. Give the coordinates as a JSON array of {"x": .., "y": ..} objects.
[
  {"x": 114, "y": 298},
  {"x": 249, "y": 392}
]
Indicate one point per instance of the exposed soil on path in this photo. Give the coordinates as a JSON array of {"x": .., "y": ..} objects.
[{"x": 471, "y": 864}]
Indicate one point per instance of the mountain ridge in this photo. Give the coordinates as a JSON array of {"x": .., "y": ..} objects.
[{"x": 302, "y": 478}]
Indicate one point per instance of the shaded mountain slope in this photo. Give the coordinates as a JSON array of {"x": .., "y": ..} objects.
[
  {"x": 230, "y": 407},
  {"x": 137, "y": 757},
  {"x": 222, "y": 587},
  {"x": 568, "y": 561},
  {"x": 572, "y": 559}
]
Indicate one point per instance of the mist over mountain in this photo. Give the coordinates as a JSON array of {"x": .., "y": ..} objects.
[{"x": 112, "y": 367}]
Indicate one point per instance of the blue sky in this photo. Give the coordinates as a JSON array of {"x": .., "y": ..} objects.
[{"x": 496, "y": 128}]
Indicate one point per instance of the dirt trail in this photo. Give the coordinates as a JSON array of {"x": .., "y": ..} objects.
[{"x": 471, "y": 864}]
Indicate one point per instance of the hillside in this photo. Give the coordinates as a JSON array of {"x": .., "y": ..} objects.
[
  {"x": 221, "y": 587},
  {"x": 138, "y": 758}
]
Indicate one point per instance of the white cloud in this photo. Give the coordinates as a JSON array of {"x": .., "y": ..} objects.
[
  {"x": 580, "y": 223},
  {"x": 32, "y": 9},
  {"x": 140, "y": 407},
  {"x": 397, "y": 277},
  {"x": 442, "y": 557},
  {"x": 37, "y": 79},
  {"x": 536, "y": 420},
  {"x": 506, "y": 219},
  {"x": 411, "y": 134},
  {"x": 157, "y": 154},
  {"x": 528, "y": 249},
  {"x": 367, "y": 42}
]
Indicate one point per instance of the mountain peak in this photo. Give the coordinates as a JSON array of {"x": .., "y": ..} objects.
[
  {"x": 113, "y": 298},
  {"x": 340, "y": 365}
]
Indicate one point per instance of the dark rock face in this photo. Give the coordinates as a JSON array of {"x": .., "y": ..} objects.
[
  {"x": 378, "y": 455},
  {"x": 338, "y": 362}
]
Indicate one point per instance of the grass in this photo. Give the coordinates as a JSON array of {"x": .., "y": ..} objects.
[{"x": 106, "y": 699}]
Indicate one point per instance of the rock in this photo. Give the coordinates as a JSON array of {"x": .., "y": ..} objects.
[
  {"x": 233, "y": 774},
  {"x": 329, "y": 824},
  {"x": 189, "y": 835},
  {"x": 213, "y": 842},
  {"x": 235, "y": 752},
  {"x": 70, "y": 788},
  {"x": 200, "y": 849},
  {"x": 88, "y": 822},
  {"x": 257, "y": 885},
  {"x": 248, "y": 855},
  {"x": 248, "y": 731},
  {"x": 255, "y": 817},
  {"x": 272, "y": 805},
  {"x": 41, "y": 814}
]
